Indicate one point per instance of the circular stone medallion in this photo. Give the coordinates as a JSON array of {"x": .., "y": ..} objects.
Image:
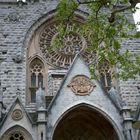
[
  {"x": 17, "y": 115},
  {"x": 81, "y": 85}
]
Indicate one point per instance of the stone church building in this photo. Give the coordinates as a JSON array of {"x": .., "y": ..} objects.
[{"x": 47, "y": 94}]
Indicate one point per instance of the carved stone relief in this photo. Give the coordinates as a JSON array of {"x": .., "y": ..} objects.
[
  {"x": 81, "y": 85},
  {"x": 14, "y": 17},
  {"x": 18, "y": 57},
  {"x": 17, "y": 115}
]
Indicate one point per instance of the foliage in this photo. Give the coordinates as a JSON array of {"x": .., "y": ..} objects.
[{"x": 108, "y": 24}]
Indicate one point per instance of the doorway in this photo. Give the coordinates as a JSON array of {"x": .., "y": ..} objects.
[{"x": 84, "y": 123}]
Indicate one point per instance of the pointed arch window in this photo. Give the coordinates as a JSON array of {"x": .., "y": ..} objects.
[
  {"x": 36, "y": 77},
  {"x": 40, "y": 79},
  {"x": 105, "y": 75}
]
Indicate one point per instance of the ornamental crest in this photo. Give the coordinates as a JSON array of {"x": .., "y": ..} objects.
[{"x": 81, "y": 85}]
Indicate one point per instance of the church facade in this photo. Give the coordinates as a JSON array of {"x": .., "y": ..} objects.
[{"x": 48, "y": 94}]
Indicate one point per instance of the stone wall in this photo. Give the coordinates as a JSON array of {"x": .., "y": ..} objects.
[
  {"x": 17, "y": 25},
  {"x": 130, "y": 89}
]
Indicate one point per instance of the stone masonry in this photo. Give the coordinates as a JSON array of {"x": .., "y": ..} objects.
[
  {"x": 19, "y": 21},
  {"x": 15, "y": 24}
]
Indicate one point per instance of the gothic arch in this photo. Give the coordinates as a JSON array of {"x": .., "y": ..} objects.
[
  {"x": 41, "y": 35},
  {"x": 35, "y": 51},
  {"x": 38, "y": 57},
  {"x": 42, "y": 20},
  {"x": 17, "y": 132},
  {"x": 36, "y": 73},
  {"x": 102, "y": 120}
]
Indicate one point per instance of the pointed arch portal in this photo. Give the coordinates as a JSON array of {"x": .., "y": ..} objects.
[{"x": 84, "y": 123}]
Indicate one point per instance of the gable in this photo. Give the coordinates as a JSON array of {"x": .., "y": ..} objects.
[
  {"x": 66, "y": 98},
  {"x": 16, "y": 116}
]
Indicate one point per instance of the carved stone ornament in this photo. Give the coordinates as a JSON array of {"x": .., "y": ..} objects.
[
  {"x": 14, "y": 17},
  {"x": 81, "y": 85},
  {"x": 17, "y": 115},
  {"x": 18, "y": 57}
]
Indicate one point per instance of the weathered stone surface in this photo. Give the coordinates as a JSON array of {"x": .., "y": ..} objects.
[{"x": 17, "y": 26}]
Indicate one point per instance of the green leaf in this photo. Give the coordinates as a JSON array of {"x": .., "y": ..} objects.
[{"x": 97, "y": 29}]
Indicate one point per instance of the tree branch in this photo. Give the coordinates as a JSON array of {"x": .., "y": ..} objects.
[
  {"x": 134, "y": 1},
  {"x": 98, "y": 10},
  {"x": 124, "y": 8},
  {"x": 118, "y": 10},
  {"x": 87, "y": 2}
]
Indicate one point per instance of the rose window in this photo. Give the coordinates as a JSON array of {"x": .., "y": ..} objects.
[{"x": 73, "y": 42}]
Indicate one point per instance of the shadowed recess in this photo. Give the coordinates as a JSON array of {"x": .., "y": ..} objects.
[{"x": 84, "y": 123}]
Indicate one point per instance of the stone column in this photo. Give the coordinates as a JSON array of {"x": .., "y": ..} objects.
[
  {"x": 0, "y": 110},
  {"x": 41, "y": 121},
  {"x": 127, "y": 122},
  {"x": 41, "y": 111}
]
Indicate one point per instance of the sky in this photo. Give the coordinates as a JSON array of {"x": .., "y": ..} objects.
[{"x": 137, "y": 16}]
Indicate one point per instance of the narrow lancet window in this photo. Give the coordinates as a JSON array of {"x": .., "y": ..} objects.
[
  {"x": 105, "y": 75},
  {"x": 36, "y": 72},
  {"x": 40, "y": 79}
]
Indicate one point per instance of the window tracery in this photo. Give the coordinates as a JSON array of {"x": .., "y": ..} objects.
[
  {"x": 105, "y": 75},
  {"x": 63, "y": 57},
  {"x": 36, "y": 77},
  {"x": 59, "y": 57},
  {"x": 16, "y": 133},
  {"x": 16, "y": 136}
]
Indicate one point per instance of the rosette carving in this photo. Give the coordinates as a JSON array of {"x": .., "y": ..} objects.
[{"x": 17, "y": 115}]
